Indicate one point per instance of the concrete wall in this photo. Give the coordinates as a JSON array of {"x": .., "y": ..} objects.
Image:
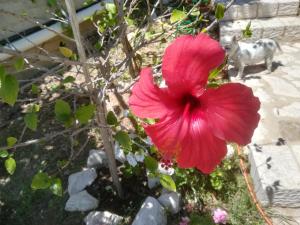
[{"x": 9, "y": 25}]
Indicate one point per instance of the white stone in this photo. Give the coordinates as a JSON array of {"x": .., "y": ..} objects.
[
  {"x": 267, "y": 8},
  {"x": 292, "y": 110},
  {"x": 281, "y": 87},
  {"x": 151, "y": 213},
  {"x": 288, "y": 7},
  {"x": 102, "y": 218},
  {"x": 97, "y": 158},
  {"x": 119, "y": 154},
  {"x": 152, "y": 181},
  {"x": 171, "y": 201},
  {"x": 81, "y": 201},
  {"x": 276, "y": 175},
  {"x": 131, "y": 159},
  {"x": 139, "y": 156},
  {"x": 78, "y": 181}
]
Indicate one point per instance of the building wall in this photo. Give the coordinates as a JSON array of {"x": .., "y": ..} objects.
[{"x": 10, "y": 25}]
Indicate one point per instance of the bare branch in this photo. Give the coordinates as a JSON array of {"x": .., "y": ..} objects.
[{"x": 216, "y": 21}]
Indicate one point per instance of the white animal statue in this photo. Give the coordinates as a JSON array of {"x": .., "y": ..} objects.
[{"x": 243, "y": 54}]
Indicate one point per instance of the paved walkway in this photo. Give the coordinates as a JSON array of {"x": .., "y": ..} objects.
[{"x": 275, "y": 148}]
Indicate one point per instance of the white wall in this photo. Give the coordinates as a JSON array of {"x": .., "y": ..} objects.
[{"x": 39, "y": 10}]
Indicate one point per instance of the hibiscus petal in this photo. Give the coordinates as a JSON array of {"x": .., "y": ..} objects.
[
  {"x": 168, "y": 133},
  {"x": 190, "y": 139},
  {"x": 147, "y": 100},
  {"x": 231, "y": 111},
  {"x": 187, "y": 62},
  {"x": 201, "y": 149}
]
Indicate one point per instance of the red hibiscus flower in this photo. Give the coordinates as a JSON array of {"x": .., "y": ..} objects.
[{"x": 194, "y": 122}]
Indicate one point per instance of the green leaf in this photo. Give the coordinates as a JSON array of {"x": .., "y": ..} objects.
[
  {"x": 35, "y": 108},
  {"x": 85, "y": 113},
  {"x": 2, "y": 70},
  {"x": 62, "y": 111},
  {"x": 66, "y": 52},
  {"x": 151, "y": 164},
  {"x": 110, "y": 7},
  {"x": 19, "y": 64},
  {"x": 56, "y": 187},
  {"x": 51, "y": 3},
  {"x": 130, "y": 22},
  {"x": 247, "y": 33},
  {"x": 167, "y": 182},
  {"x": 40, "y": 181},
  {"x": 111, "y": 118},
  {"x": 11, "y": 141},
  {"x": 31, "y": 121},
  {"x": 68, "y": 79},
  {"x": 123, "y": 139},
  {"x": 3, "y": 153},
  {"x": 10, "y": 165},
  {"x": 213, "y": 74},
  {"x": 213, "y": 85},
  {"x": 219, "y": 12},
  {"x": 34, "y": 89},
  {"x": 9, "y": 89},
  {"x": 177, "y": 15}
]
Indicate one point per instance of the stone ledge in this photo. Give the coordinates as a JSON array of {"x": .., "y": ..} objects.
[
  {"x": 283, "y": 28},
  {"x": 276, "y": 175},
  {"x": 251, "y": 9}
]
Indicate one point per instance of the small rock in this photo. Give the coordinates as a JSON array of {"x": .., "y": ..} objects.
[
  {"x": 97, "y": 158},
  {"x": 102, "y": 218},
  {"x": 78, "y": 181},
  {"x": 139, "y": 156},
  {"x": 171, "y": 201},
  {"x": 119, "y": 154},
  {"x": 81, "y": 201},
  {"x": 153, "y": 182},
  {"x": 151, "y": 213},
  {"x": 131, "y": 159}
]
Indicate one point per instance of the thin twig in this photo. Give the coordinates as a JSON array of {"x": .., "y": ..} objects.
[
  {"x": 45, "y": 138},
  {"x": 216, "y": 21},
  {"x": 39, "y": 56}
]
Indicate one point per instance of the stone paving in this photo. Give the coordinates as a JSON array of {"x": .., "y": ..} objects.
[{"x": 275, "y": 147}]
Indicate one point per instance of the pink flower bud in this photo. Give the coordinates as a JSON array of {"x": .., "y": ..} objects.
[{"x": 220, "y": 216}]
